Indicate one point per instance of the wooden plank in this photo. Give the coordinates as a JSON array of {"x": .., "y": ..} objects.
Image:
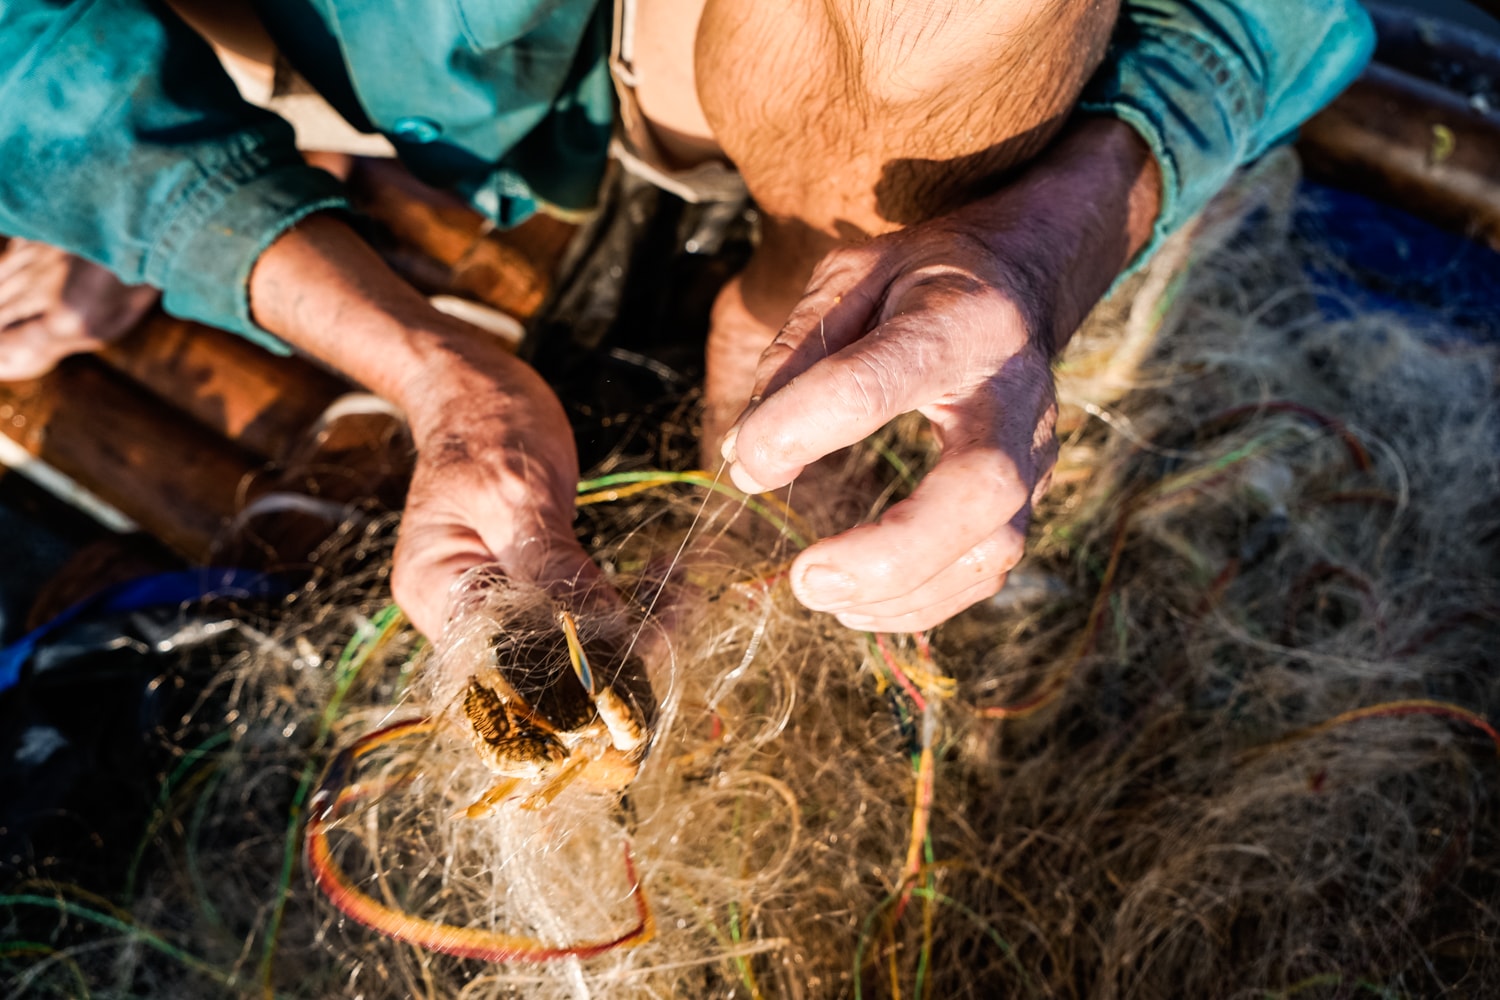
[
  {"x": 458, "y": 252},
  {"x": 1455, "y": 56},
  {"x": 1412, "y": 144},
  {"x": 175, "y": 478},
  {"x": 256, "y": 399}
]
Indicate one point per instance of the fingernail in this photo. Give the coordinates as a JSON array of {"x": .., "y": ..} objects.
[
  {"x": 825, "y": 588},
  {"x": 732, "y": 436},
  {"x": 744, "y": 482},
  {"x": 726, "y": 447}
]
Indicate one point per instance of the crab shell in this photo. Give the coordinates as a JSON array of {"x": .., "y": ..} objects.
[{"x": 516, "y": 741}]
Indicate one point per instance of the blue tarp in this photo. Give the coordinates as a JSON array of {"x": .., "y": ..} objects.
[{"x": 163, "y": 589}]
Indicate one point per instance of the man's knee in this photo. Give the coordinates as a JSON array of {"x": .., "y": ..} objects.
[{"x": 878, "y": 116}]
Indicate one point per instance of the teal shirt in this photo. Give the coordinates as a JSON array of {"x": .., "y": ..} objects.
[
  {"x": 122, "y": 140},
  {"x": 1212, "y": 85},
  {"x": 508, "y": 103}
]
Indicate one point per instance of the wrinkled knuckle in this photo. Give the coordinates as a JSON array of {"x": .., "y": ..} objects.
[
  {"x": 980, "y": 262},
  {"x": 1008, "y": 548},
  {"x": 868, "y": 385},
  {"x": 848, "y": 260},
  {"x": 1004, "y": 481},
  {"x": 778, "y": 352},
  {"x": 828, "y": 272},
  {"x": 882, "y": 579},
  {"x": 65, "y": 324}
]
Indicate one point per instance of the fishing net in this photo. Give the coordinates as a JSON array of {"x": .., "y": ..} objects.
[{"x": 1223, "y": 735}]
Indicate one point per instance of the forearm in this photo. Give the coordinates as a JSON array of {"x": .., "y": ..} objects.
[
  {"x": 1106, "y": 187},
  {"x": 321, "y": 288},
  {"x": 496, "y": 469},
  {"x": 324, "y": 290},
  {"x": 1190, "y": 91},
  {"x": 1072, "y": 222}
]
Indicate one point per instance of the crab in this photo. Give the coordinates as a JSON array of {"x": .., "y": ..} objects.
[{"x": 558, "y": 732}]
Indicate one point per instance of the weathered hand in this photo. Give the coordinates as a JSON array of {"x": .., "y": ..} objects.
[
  {"x": 494, "y": 485},
  {"x": 931, "y": 319},
  {"x": 496, "y": 470},
  {"x": 53, "y": 304},
  {"x": 955, "y": 318}
]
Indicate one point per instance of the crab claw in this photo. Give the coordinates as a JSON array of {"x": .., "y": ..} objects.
[{"x": 628, "y": 731}]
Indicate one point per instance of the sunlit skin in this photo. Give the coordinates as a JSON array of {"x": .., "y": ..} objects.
[
  {"x": 940, "y": 319},
  {"x": 972, "y": 305},
  {"x": 53, "y": 304},
  {"x": 844, "y": 318}
]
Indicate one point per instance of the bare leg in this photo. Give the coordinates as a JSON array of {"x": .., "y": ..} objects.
[
  {"x": 746, "y": 316},
  {"x": 848, "y": 120},
  {"x": 53, "y": 304}
]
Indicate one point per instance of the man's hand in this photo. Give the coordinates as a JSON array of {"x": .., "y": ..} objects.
[
  {"x": 496, "y": 467},
  {"x": 494, "y": 485},
  {"x": 957, "y": 319},
  {"x": 926, "y": 319}
]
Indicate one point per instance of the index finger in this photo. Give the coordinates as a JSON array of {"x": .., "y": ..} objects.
[
  {"x": 945, "y": 334},
  {"x": 841, "y": 400}
]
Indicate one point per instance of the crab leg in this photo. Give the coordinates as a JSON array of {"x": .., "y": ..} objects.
[
  {"x": 562, "y": 779},
  {"x": 498, "y": 792},
  {"x": 626, "y": 730},
  {"x": 579, "y": 658}
]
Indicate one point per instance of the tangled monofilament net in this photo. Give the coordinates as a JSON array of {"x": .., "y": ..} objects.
[{"x": 1141, "y": 772}]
